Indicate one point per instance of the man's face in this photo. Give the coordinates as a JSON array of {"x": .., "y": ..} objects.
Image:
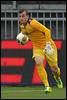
[{"x": 23, "y": 18}]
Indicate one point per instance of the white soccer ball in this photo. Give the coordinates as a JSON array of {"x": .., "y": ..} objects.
[{"x": 22, "y": 38}]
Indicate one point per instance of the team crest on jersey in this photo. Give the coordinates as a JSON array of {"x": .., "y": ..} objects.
[{"x": 22, "y": 26}]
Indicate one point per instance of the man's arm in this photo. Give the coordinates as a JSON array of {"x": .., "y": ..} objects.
[{"x": 40, "y": 27}]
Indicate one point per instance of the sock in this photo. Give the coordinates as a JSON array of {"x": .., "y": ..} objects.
[
  {"x": 57, "y": 74},
  {"x": 43, "y": 74}
]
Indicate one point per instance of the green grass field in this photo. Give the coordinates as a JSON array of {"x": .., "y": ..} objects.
[{"x": 31, "y": 92}]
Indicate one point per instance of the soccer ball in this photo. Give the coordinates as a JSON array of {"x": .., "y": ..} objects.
[{"x": 22, "y": 38}]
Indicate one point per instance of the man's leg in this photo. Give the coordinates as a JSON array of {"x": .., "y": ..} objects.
[
  {"x": 42, "y": 73},
  {"x": 56, "y": 74},
  {"x": 52, "y": 61}
]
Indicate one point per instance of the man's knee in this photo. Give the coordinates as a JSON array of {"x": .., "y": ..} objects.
[{"x": 39, "y": 60}]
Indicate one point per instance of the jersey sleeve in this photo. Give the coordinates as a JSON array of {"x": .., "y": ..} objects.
[{"x": 40, "y": 27}]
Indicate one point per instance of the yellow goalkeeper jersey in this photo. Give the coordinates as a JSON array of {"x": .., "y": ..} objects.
[{"x": 37, "y": 33}]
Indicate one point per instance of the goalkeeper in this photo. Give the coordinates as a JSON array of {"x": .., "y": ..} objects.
[{"x": 43, "y": 47}]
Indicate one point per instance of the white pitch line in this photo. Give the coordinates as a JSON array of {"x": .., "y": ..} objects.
[{"x": 21, "y": 91}]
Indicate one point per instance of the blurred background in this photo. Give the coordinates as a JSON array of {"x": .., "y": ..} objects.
[{"x": 17, "y": 65}]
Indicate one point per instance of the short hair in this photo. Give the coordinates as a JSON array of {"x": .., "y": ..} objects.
[{"x": 22, "y": 10}]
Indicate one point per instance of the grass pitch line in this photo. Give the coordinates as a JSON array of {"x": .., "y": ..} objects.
[{"x": 21, "y": 91}]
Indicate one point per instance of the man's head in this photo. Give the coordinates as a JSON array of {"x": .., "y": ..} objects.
[{"x": 23, "y": 16}]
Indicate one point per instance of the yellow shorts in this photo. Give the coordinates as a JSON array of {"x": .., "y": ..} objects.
[{"x": 50, "y": 58}]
